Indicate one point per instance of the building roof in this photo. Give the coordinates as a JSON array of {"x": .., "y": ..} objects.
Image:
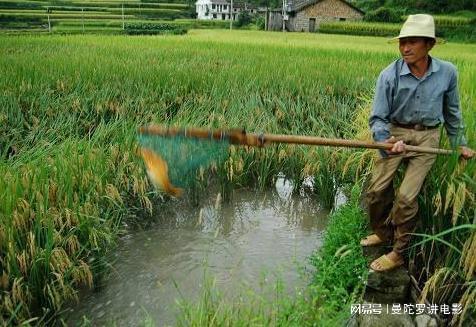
[
  {"x": 244, "y": 5},
  {"x": 297, "y": 5},
  {"x": 217, "y": 2},
  {"x": 236, "y": 4}
]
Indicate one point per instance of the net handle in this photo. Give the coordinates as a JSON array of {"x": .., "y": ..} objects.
[{"x": 240, "y": 137}]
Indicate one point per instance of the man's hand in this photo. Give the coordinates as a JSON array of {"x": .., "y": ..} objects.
[
  {"x": 466, "y": 152},
  {"x": 398, "y": 146}
]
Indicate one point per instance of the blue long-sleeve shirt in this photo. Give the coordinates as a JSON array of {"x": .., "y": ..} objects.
[{"x": 400, "y": 97}]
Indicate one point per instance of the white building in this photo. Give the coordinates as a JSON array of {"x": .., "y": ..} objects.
[{"x": 220, "y": 9}]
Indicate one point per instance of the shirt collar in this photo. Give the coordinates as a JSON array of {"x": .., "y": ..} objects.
[{"x": 434, "y": 67}]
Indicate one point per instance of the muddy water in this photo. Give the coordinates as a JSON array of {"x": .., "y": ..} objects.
[{"x": 251, "y": 241}]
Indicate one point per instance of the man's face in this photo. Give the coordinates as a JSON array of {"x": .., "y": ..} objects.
[{"x": 414, "y": 49}]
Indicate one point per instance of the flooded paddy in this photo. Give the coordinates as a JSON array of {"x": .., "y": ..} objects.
[{"x": 249, "y": 242}]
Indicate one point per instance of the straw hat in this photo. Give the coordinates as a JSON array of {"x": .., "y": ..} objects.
[{"x": 421, "y": 25}]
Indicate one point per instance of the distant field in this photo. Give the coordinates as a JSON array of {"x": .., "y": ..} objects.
[
  {"x": 452, "y": 28},
  {"x": 31, "y": 16},
  {"x": 441, "y": 20}
]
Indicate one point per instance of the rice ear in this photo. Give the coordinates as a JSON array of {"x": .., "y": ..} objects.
[
  {"x": 435, "y": 289},
  {"x": 468, "y": 257},
  {"x": 468, "y": 308}
]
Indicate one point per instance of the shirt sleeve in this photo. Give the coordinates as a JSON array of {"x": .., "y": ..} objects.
[
  {"x": 452, "y": 113},
  {"x": 379, "y": 117}
]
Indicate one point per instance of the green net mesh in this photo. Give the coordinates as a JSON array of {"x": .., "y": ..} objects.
[{"x": 182, "y": 156}]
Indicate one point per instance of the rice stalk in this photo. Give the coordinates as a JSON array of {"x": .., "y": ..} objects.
[{"x": 468, "y": 257}]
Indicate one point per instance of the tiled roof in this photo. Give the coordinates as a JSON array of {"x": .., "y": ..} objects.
[
  {"x": 236, "y": 4},
  {"x": 296, "y": 5}
]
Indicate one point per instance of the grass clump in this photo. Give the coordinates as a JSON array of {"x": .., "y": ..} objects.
[
  {"x": 341, "y": 266},
  {"x": 153, "y": 29}
]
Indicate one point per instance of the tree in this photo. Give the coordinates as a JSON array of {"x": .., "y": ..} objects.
[
  {"x": 417, "y": 6},
  {"x": 244, "y": 19},
  {"x": 384, "y": 15}
]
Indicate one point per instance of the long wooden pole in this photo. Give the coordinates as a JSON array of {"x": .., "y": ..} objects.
[{"x": 240, "y": 137}]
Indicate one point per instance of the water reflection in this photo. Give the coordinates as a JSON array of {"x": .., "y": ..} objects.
[{"x": 236, "y": 242}]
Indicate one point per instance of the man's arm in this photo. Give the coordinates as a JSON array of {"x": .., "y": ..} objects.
[
  {"x": 452, "y": 113},
  {"x": 379, "y": 118},
  {"x": 453, "y": 120}
]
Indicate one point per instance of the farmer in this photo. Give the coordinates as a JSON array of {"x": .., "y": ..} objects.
[{"x": 414, "y": 96}]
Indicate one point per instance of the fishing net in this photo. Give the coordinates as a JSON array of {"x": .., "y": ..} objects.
[
  {"x": 172, "y": 156},
  {"x": 173, "y": 159}
]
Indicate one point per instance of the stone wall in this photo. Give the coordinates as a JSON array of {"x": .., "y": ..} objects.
[{"x": 325, "y": 10}]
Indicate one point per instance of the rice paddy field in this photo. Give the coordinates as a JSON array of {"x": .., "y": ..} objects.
[
  {"x": 102, "y": 16},
  {"x": 452, "y": 28},
  {"x": 71, "y": 175}
]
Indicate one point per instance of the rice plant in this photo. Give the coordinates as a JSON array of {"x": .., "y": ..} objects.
[{"x": 69, "y": 165}]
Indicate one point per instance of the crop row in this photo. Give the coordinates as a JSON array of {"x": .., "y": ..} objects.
[
  {"x": 62, "y": 10},
  {"x": 466, "y": 32},
  {"x": 31, "y": 15},
  {"x": 450, "y": 21},
  {"x": 360, "y": 28},
  {"x": 75, "y": 5}
]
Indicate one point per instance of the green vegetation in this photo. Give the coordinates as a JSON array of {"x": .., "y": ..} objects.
[
  {"x": 115, "y": 26},
  {"x": 383, "y": 15},
  {"x": 455, "y": 20},
  {"x": 450, "y": 28},
  {"x": 28, "y": 15},
  {"x": 360, "y": 28},
  {"x": 71, "y": 174},
  {"x": 417, "y": 6},
  {"x": 153, "y": 29},
  {"x": 109, "y": 17}
]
